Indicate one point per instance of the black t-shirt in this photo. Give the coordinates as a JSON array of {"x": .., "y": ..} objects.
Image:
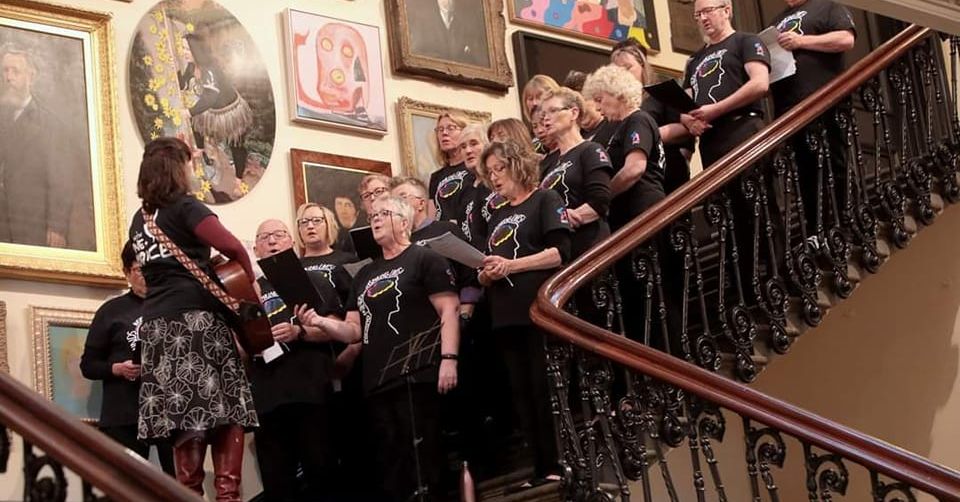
[
  {"x": 814, "y": 68},
  {"x": 446, "y": 189},
  {"x": 582, "y": 176},
  {"x": 663, "y": 115},
  {"x": 485, "y": 203},
  {"x": 637, "y": 132},
  {"x": 518, "y": 231},
  {"x": 474, "y": 193},
  {"x": 114, "y": 337},
  {"x": 302, "y": 373},
  {"x": 717, "y": 71},
  {"x": 172, "y": 289},
  {"x": 601, "y": 133},
  {"x": 393, "y": 299},
  {"x": 331, "y": 269}
]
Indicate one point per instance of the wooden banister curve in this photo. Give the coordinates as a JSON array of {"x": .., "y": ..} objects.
[
  {"x": 547, "y": 310},
  {"x": 123, "y": 476}
]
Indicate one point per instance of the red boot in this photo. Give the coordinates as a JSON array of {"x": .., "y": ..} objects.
[
  {"x": 188, "y": 457},
  {"x": 227, "y": 442}
]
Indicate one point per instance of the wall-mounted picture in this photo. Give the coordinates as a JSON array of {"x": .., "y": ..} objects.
[
  {"x": 59, "y": 177},
  {"x": 195, "y": 73},
  {"x": 608, "y": 21},
  {"x": 335, "y": 72},
  {"x": 4, "y": 364},
  {"x": 332, "y": 181},
  {"x": 459, "y": 41},
  {"x": 58, "y": 339},
  {"x": 417, "y": 121}
]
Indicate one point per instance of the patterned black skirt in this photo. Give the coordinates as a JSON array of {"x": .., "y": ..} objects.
[{"x": 192, "y": 376}]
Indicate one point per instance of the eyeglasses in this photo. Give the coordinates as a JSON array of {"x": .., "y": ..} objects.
[
  {"x": 553, "y": 111},
  {"x": 372, "y": 194},
  {"x": 316, "y": 220},
  {"x": 409, "y": 196},
  {"x": 447, "y": 128},
  {"x": 276, "y": 234},
  {"x": 697, "y": 14},
  {"x": 383, "y": 213}
]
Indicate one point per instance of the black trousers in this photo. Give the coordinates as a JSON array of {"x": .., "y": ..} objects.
[
  {"x": 127, "y": 436},
  {"x": 809, "y": 176},
  {"x": 393, "y": 435},
  {"x": 523, "y": 353},
  {"x": 292, "y": 436}
]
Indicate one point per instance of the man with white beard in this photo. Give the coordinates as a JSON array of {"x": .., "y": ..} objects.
[{"x": 36, "y": 198}]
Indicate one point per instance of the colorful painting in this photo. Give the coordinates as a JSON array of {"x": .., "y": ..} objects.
[
  {"x": 60, "y": 217},
  {"x": 601, "y": 20},
  {"x": 196, "y": 74},
  {"x": 335, "y": 72},
  {"x": 58, "y": 340}
]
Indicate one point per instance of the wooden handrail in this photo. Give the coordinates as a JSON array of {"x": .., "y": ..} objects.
[
  {"x": 547, "y": 309},
  {"x": 123, "y": 476}
]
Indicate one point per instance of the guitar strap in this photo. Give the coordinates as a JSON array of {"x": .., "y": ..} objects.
[{"x": 230, "y": 302}]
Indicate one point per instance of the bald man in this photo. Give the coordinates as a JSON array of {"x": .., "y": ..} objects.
[{"x": 292, "y": 393}]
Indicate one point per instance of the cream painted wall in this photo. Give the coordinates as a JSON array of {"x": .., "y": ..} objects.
[{"x": 272, "y": 197}]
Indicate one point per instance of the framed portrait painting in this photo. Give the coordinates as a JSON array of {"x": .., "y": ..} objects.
[
  {"x": 332, "y": 181},
  {"x": 608, "y": 21},
  {"x": 417, "y": 121},
  {"x": 60, "y": 194},
  {"x": 335, "y": 73},
  {"x": 459, "y": 41},
  {"x": 58, "y": 340}
]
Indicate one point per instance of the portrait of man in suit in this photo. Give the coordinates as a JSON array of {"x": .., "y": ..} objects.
[
  {"x": 45, "y": 181},
  {"x": 450, "y": 30}
]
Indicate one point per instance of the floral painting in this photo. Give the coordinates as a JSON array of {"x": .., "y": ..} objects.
[
  {"x": 602, "y": 20},
  {"x": 335, "y": 73},
  {"x": 196, "y": 74}
]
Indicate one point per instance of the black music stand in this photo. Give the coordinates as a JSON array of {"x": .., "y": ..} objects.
[{"x": 406, "y": 359}]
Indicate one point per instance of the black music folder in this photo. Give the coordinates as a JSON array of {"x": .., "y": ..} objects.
[
  {"x": 290, "y": 280},
  {"x": 671, "y": 94},
  {"x": 364, "y": 243}
]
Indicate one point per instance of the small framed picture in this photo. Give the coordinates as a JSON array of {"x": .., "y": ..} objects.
[
  {"x": 59, "y": 336},
  {"x": 417, "y": 120}
]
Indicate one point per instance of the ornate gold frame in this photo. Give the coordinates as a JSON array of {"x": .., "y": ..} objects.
[
  {"x": 101, "y": 267},
  {"x": 497, "y": 77},
  {"x": 406, "y": 109},
  {"x": 42, "y": 318},
  {"x": 4, "y": 364}
]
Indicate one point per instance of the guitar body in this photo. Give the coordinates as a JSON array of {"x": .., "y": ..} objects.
[{"x": 253, "y": 329}]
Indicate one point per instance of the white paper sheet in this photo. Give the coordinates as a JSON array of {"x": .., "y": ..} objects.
[
  {"x": 456, "y": 249},
  {"x": 353, "y": 268},
  {"x": 782, "y": 64}
]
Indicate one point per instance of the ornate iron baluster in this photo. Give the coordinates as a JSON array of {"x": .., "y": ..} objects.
[
  {"x": 801, "y": 266},
  {"x": 826, "y": 474},
  {"x": 706, "y": 350},
  {"x": 765, "y": 447},
  {"x": 596, "y": 379},
  {"x": 573, "y": 461},
  {"x": 834, "y": 246},
  {"x": 681, "y": 236},
  {"x": 890, "y": 492},
  {"x": 864, "y": 224},
  {"x": 4, "y": 447},
  {"x": 38, "y": 488},
  {"x": 712, "y": 426},
  {"x": 892, "y": 200},
  {"x": 605, "y": 292},
  {"x": 744, "y": 327}
]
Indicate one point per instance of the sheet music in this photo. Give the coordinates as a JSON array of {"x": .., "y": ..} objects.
[
  {"x": 672, "y": 95},
  {"x": 454, "y": 248},
  {"x": 782, "y": 63},
  {"x": 353, "y": 268}
]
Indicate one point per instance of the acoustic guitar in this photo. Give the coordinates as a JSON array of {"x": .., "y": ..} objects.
[{"x": 252, "y": 326}]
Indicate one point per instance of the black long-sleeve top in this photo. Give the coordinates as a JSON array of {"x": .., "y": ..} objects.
[{"x": 113, "y": 338}]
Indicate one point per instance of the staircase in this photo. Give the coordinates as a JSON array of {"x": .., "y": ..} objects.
[{"x": 679, "y": 424}]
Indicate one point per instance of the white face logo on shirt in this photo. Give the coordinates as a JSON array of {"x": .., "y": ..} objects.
[
  {"x": 556, "y": 179},
  {"x": 325, "y": 270},
  {"x": 133, "y": 336},
  {"x": 467, "y": 220},
  {"x": 709, "y": 72},
  {"x": 386, "y": 285},
  {"x": 506, "y": 232},
  {"x": 448, "y": 187},
  {"x": 792, "y": 23}
]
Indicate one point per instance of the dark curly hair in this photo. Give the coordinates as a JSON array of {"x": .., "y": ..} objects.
[{"x": 163, "y": 178}]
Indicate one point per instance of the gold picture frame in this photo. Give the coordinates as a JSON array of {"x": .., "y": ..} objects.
[
  {"x": 417, "y": 119},
  {"x": 58, "y": 341},
  {"x": 71, "y": 55},
  {"x": 470, "y": 53},
  {"x": 4, "y": 364}
]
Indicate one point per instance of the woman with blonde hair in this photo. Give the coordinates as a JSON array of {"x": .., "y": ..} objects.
[
  {"x": 533, "y": 92},
  {"x": 446, "y": 184},
  {"x": 511, "y": 129}
]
